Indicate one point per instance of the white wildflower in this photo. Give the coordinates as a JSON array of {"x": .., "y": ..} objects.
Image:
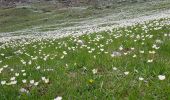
[
  {"x": 126, "y": 73},
  {"x": 141, "y": 78},
  {"x": 58, "y": 98},
  {"x": 161, "y": 77},
  {"x": 94, "y": 71}
]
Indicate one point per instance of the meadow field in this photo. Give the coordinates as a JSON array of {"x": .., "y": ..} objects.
[
  {"x": 127, "y": 63},
  {"x": 121, "y": 52}
]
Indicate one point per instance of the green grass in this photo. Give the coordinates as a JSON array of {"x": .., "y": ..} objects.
[
  {"x": 42, "y": 17},
  {"x": 14, "y": 19},
  {"x": 72, "y": 77}
]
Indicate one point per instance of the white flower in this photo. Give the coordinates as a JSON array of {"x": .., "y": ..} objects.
[
  {"x": 125, "y": 53},
  {"x": 155, "y": 46},
  {"x": 94, "y": 71},
  {"x": 13, "y": 82},
  {"x": 24, "y": 81},
  {"x": 120, "y": 48},
  {"x": 5, "y": 66},
  {"x": 58, "y": 98},
  {"x": 1, "y": 69},
  {"x": 16, "y": 74},
  {"x": 23, "y": 90},
  {"x": 141, "y": 51},
  {"x": 161, "y": 77},
  {"x": 30, "y": 62},
  {"x": 132, "y": 48},
  {"x": 46, "y": 80},
  {"x": 141, "y": 78},
  {"x": 38, "y": 67},
  {"x": 101, "y": 49},
  {"x": 12, "y": 70},
  {"x": 126, "y": 73},
  {"x": 152, "y": 52},
  {"x": 64, "y": 52},
  {"x": 165, "y": 35},
  {"x": 62, "y": 57},
  {"x": 90, "y": 51},
  {"x": 45, "y": 58},
  {"x": 94, "y": 56},
  {"x": 114, "y": 68},
  {"x": 36, "y": 83},
  {"x": 159, "y": 41},
  {"x": 134, "y": 56},
  {"x": 80, "y": 42},
  {"x": 149, "y": 61},
  {"x": 24, "y": 74},
  {"x": 22, "y": 70},
  {"x": 23, "y": 62},
  {"x": 43, "y": 78},
  {"x": 12, "y": 78},
  {"x": 32, "y": 81},
  {"x": 3, "y": 82}
]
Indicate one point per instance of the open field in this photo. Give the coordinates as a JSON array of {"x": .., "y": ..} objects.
[
  {"x": 81, "y": 53},
  {"x": 42, "y": 18},
  {"x": 125, "y": 63},
  {"x": 42, "y": 21}
]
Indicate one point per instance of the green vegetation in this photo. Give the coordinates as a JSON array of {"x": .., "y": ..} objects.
[
  {"x": 124, "y": 63},
  {"x": 22, "y": 18},
  {"x": 45, "y": 17}
]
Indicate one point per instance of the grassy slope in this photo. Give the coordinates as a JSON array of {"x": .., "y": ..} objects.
[
  {"x": 72, "y": 76},
  {"x": 14, "y": 19},
  {"x": 50, "y": 18}
]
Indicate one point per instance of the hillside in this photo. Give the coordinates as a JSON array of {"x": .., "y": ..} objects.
[
  {"x": 68, "y": 3},
  {"x": 85, "y": 50}
]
